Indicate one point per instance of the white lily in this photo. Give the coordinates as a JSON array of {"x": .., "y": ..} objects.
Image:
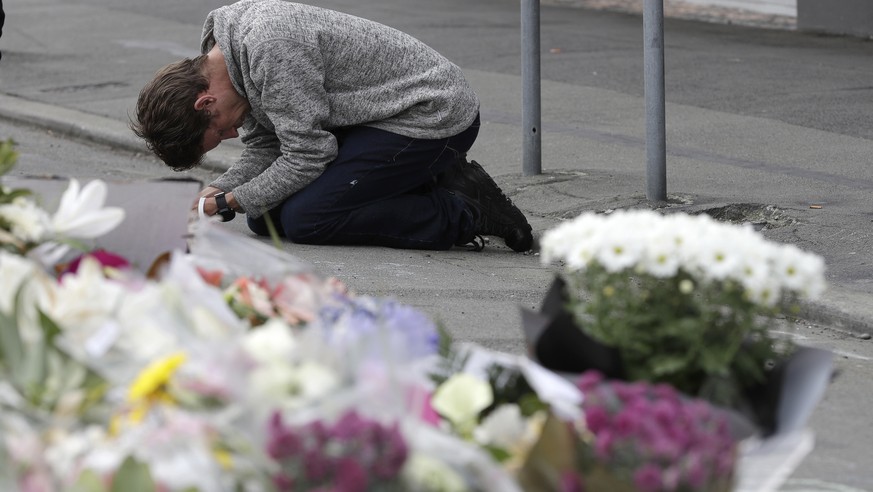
[
  {"x": 461, "y": 398},
  {"x": 81, "y": 213}
]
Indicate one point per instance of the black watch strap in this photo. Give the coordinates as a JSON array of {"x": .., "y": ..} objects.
[{"x": 224, "y": 209}]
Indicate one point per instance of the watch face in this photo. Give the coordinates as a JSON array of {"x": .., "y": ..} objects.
[{"x": 226, "y": 214}]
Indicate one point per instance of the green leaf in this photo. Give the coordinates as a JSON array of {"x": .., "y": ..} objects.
[
  {"x": 132, "y": 476},
  {"x": 8, "y": 156},
  {"x": 10, "y": 343},
  {"x": 12, "y": 195},
  {"x": 88, "y": 481},
  {"x": 668, "y": 364},
  {"x": 499, "y": 454},
  {"x": 50, "y": 329}
]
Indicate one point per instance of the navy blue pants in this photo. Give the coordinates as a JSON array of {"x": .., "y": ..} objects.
[{"x": 380, "y": 190}]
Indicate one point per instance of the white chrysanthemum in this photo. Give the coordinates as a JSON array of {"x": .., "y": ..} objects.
[
  {"x": 619, "y": 251},
  {"x": 755, "y": 268},
  {"x": 571, "y": 241},
  {"x": 314, "y": 380},
  {"x": 27, "y": 221},
  {"x": 661, "y": 257},
  {"x": 720, "y": 259},
  {"x": 766, "y": 292},
  {"x": 290, "y": 385},
  {"x": 796, "y": 270},
  {"x": 661, "y": 245},
  {"x": 271, "y": 342}
]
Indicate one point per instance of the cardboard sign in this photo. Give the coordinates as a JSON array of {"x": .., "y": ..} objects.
[{"x": 156, "y": 213}]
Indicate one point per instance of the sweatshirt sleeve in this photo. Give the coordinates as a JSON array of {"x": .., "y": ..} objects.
[
  {"x": 262, "y": 148},
  {"x": 289, "y": 76}
]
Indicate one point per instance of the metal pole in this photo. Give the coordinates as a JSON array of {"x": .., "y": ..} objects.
[
  {"x": 656, "y": 135},
  {"x": 530, "y": 74}
]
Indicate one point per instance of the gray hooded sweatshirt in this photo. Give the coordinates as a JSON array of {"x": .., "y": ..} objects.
[{"x": 306, "y": 70}]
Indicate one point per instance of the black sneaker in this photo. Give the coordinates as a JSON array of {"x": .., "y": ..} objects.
[{"x": 493, "y": 213}]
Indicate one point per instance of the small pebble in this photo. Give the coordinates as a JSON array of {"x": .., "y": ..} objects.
[{"x": 865, "y": 336}]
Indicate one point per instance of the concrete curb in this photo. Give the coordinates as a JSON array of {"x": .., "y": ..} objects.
[{"x": 840, "y": 308}]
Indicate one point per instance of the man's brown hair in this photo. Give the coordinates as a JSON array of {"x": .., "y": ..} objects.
[{"x": 165, "y": 114}]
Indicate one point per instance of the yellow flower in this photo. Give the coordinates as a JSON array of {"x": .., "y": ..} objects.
[{"x": 151, "y": 383}]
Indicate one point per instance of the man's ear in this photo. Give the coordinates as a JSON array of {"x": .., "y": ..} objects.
[{"x": 204, "y": 101}]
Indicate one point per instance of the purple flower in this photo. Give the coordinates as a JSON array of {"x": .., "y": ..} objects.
[
  {"x": 351, "y": 476},
  {"x": 597, "y": 419},
  {"x": 571, "y": 482},
  {"x": 695, "y": 472},
  {"x": 402, "y": 331},
  {"x": 316, "y": 465},
  {"x": 589, "y": 380},
  {"x": 654, "y": 435},
  {"x": 393, "y": 452},
  {"x": 628, "y": 422},
  {"x": 603, "y": 444},
  {"x": 349, "y": 426},
  {"x": 647, "y": 478},
  {"x": 283, "y": 482},
  {"x": 347, "y": 455}
]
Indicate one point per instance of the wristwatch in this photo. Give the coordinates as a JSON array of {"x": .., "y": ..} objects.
[{"x": 224, "y": 209}]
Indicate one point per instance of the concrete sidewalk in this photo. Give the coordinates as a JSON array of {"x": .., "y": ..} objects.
[{"x": 76, "y": 69}]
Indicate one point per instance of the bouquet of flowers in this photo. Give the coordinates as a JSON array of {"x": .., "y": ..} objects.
[
  {"x": 680, "y": 299},
  {"x": 203, "y": 378},
  {"x": 648, "y": 438},
  {"x": 586, "y": 433}
]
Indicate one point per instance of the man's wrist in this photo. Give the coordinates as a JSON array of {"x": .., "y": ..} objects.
[
  {"x": 231, "y": 202},
  {"x": 224, "y": 209}
]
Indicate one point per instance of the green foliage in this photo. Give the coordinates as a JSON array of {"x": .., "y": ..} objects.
[
  {"x": 8, "y": 159},
  {"x": 706, "y": 340},
  {"x": 510, "y": 386},
  {"x": 39, "y": 370},
  {"x": 8, "y": 156},
  {"x": 133, "y": 476}
]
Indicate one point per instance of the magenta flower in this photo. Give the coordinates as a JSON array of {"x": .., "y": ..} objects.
[
  {"x": 596, "y": 418},
  {"x": 648, "y": 478},
  {"x": 351, "y": 476},
  {"x": 350, "y": 454},
  {"x": 105, "y": 258},
  {"x": 654, "y": 436}
]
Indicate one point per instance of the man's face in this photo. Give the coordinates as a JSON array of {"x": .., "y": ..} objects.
[{"x": 225, "y": 122}]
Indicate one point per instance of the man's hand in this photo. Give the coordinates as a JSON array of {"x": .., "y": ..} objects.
[
  {"x": 206, "y": 192},
  {"x": 210, "y": 207}
]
